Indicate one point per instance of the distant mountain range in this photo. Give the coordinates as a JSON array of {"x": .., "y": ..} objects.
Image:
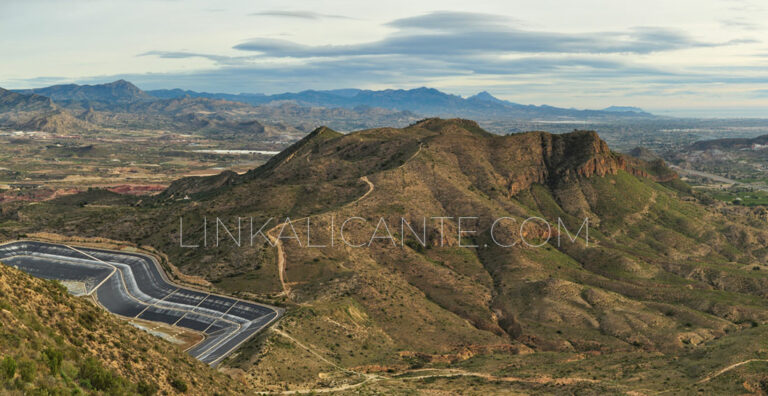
[
  {"x": 76, "y": 108},
  {"x": 422, "y": 101},
  {"x": 67, "y": 109}
]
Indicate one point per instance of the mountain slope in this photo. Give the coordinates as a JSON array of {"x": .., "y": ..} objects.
[
  {"x": 664, "y": 294},
  {"x": 57, "y": 121},
  {"x": 60, "y": 344},
  {"x": 32, "y": 112},
  {"x": 117, "y": 92},
  {"x": 16, "y": 102}
]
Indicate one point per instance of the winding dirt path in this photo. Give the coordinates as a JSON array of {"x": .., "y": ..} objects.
[
  {"x": 279, "y": 243},
  {"x": 729, "y": 368}
]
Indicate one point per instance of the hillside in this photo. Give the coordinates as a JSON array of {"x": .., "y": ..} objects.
[
  {"x": 740, "y": 160},
  {"x": 54, "y": 343},
  {"x": 667, "y": 293},
  {"x": 37, "y": 113},
  {"x": 15, "y": 102},
  {"x": 58, "y": 121}
]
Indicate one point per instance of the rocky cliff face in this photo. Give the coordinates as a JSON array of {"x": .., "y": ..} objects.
[
  {"x": 583, "y": 153},
  {"x": 520, "y": 160}
]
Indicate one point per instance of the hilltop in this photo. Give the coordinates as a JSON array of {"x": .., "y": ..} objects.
[{"x": 667, "y": 292}]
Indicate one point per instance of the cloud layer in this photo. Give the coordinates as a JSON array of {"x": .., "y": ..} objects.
[
  {"x": 463, "y": 34},
  {"x": 582, "y": 54},
  {"x": 297, "y": 14},
  {"x": 459, "y": 45}
]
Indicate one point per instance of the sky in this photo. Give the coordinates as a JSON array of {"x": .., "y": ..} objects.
[{"x": 672, "y": 57}]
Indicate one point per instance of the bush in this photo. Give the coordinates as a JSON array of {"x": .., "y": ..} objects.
[
  {"x": 91, "y": 372},
  {"x": 53, "y": 358},
  {"x": 178, "y": 384},
  {"x": 27, "y": 370},
  {"x": 8, "y": 367},
  {"x": 88, "y": 320},
  {"x": 147, "y": 388}
]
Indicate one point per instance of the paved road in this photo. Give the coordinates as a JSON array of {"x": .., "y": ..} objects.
[{"x": 133, "y": 285}]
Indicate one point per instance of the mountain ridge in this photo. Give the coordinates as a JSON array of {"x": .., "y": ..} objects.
[{"x": 423, "y": 100}]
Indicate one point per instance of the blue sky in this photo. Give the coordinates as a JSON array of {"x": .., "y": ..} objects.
[{"x": 706, "y": 57}]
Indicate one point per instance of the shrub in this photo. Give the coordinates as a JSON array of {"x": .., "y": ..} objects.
[
  {"x": 27, "y": 370},
  {"x": 8, "y": 367},
  {"x": 88, "y": 320},
  {"x": 178, "y": 384},
  {"x": 146, "y": 388},
  {"x": 53, "y": 358},
  {"x": 91, "y": 372}
]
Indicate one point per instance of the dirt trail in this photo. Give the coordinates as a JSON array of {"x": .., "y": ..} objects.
[
  {"x": 310, "y": 350},
  {"x": 287, "y": 291},
  {"x": 279, "y": 244},
  {"x": 440, "y": 373},
  {"x": 367, "y": 377},
  {"x": 729, "y": 368}
]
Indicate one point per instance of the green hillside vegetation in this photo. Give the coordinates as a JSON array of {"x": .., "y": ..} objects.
[{"x": 56, "y": 344}]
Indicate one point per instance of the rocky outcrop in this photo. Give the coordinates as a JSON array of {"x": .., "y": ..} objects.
[{"x": 556, "y": 160}]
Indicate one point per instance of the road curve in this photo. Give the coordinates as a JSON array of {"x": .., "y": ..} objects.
[{"x": 133, "y": 285}]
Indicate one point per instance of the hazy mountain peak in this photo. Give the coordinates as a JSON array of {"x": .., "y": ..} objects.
[
  {"x": 624, "y": 109},
  {"x": 485, "y": 96}
]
